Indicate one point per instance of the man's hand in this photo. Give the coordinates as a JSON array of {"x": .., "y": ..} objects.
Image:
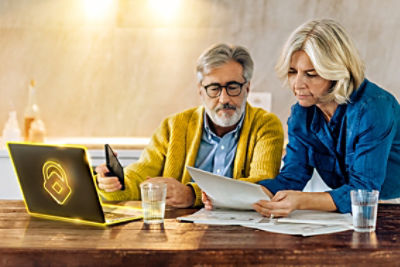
[
  {"x": 281, "y": 205},
  {"x": 178, "y": 194},
  {"x": 206, "y": 201},
  {"x": 107, "y": 183}
]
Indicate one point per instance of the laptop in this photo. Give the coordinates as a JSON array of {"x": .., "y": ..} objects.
[{"x": 57, "y": 182}]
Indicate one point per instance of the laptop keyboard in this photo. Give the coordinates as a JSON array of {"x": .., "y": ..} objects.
[
  {"x": 110, "y": 217},
  {"x": 112, "y": 214}
]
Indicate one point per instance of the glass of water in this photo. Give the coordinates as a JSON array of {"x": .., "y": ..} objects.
[
  {"x": 364, "y": 206},
  {"x": 153, "y": 202}
]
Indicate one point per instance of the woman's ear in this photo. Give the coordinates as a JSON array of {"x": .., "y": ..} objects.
[{"x": 333, "y": 84}]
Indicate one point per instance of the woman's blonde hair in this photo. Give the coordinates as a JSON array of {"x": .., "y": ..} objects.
[{"x": 332, "y": 54}]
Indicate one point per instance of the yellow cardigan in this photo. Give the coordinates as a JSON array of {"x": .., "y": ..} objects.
[{"x": 175, "y": 143}]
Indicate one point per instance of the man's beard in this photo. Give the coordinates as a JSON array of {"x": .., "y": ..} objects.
[{"x": 226, "y": 120}]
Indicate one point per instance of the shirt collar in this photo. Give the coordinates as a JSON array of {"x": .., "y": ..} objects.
[
  {"x": 315, "y": 123},
  {"x": 211, "y": 134},
  {"x": 318, "y": 118},
  {"x": 358, "y": 91}
]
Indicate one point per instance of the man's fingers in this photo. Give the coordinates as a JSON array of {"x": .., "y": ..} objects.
[
  {"x": 101, "y": 170},
  {"x": 117, "y": 187},
  {"x": 168, "y": 202},
  {"x": 170, "y": 193},
  {"x": 109, "y": 184},
  {"x": 158, "y": 179},
  {"x": 108, "y": 180},
  {"x": 206, "y": 201}
]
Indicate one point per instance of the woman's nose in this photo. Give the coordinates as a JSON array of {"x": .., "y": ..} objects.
[{"x": 299, "y": 81}]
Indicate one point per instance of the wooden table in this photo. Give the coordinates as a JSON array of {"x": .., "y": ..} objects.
[{"x": 29, "y": 241}]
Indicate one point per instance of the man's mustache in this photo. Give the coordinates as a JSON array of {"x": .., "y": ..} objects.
[{"x": 225, "y": 106}]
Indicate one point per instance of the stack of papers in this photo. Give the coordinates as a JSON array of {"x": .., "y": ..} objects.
[
  {"x": 299, "y": 222},
  {"x": 223, "y": 217},
  {"x": 233, "y": 201}
]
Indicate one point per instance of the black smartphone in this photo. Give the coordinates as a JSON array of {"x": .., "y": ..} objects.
[{"x": 114, "y": 166}]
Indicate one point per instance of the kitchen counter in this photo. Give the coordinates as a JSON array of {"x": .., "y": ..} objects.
[{"x": 136, "y": 143}]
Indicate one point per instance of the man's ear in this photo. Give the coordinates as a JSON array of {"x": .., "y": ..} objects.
[
  {"x": 199, "y": 88},
  {"x": 248, "y": 87}
]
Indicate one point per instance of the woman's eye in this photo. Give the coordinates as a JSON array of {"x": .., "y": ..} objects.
[{"x": 311, "y": 74}]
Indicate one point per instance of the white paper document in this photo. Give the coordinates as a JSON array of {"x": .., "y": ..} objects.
[
  {"x": 300, "y": 222},
  {"x": 223, "y": 217},
  {"x": 318, "y": 217},
  {"x": 227, "y": 192},
  {"x": 307, "y": 223},
  {"x": 303, "y": 229}
]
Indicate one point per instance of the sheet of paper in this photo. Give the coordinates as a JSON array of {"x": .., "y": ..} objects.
[
  {"x": 303, "y": 229},
  {"x": 223, "y": 217},
  {"x": 227, "y": 192},
  {"x": 318, "y": 217}
]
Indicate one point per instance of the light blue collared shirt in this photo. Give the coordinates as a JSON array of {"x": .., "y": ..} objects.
[{"x": 216, "y": 154}]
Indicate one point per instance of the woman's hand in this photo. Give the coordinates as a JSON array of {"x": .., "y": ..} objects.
[
  {"x": 284, "y": 202},
  {"x": 206, "y": 201},
  {"x": 281, "y": 205}
]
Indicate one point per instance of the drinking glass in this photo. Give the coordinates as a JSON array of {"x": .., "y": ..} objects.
[
  {"x": 364, "y": 206},
  {"x": 153, "y": 202}
]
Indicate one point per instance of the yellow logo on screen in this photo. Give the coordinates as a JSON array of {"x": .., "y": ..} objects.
[{"x": 55, "y": 182}]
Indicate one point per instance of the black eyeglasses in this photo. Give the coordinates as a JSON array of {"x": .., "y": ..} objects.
[{"x": 232, "y": 89}]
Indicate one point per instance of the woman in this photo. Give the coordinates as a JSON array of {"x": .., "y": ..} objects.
[{"x": 343, "y": 125}]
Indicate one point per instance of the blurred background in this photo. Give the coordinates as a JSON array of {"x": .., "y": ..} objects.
[{"x": 107, "y": 68}]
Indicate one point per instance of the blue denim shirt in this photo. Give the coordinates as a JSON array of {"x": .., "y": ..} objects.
[
  {"x": 358, "y": 148},
  {"x": 216, "y": 154}
]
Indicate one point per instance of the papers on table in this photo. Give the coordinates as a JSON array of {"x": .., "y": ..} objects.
[
  {"x": 300, "y": 222},
  {"x": 236, "y": 196},
  {"x": 223, "y": 217},
  {"x": 227, "y": 192},
  {"x": 307, "y": 223},
  {"x": 300, "y": 228},
  {"x": 318, "y": 217}
]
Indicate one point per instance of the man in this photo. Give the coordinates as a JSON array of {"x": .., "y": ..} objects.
[{"x": 225, "y": 136}]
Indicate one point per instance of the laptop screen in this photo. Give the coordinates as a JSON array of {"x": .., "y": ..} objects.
[{"x": 56, "y": 181}]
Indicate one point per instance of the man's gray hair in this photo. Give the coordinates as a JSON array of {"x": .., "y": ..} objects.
[{"x": 220, "y": 54}]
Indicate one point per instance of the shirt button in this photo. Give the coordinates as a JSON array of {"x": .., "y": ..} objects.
[{"x": 222, "y": 147}]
